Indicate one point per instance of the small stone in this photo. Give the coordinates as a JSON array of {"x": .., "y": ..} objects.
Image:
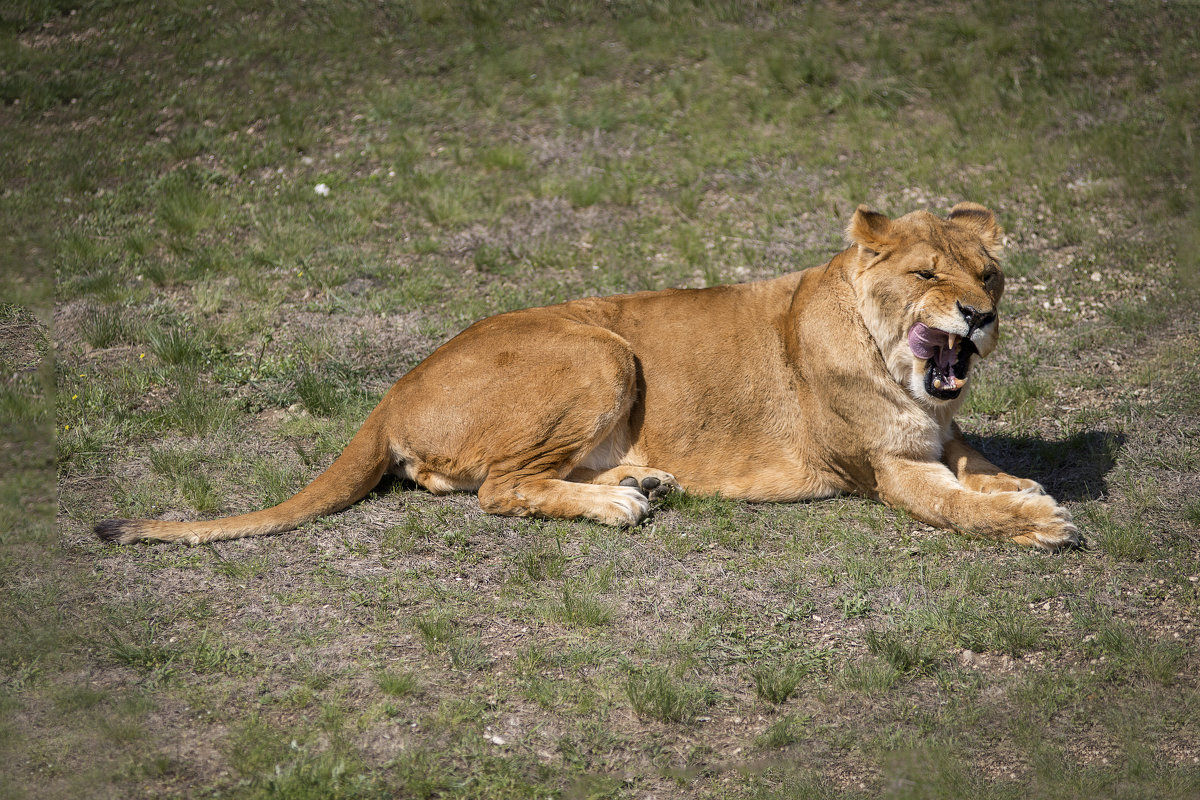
[{"x": 1095, "y": 276}]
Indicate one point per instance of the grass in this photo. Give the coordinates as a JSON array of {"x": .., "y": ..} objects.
[
  {"x": 579, "y": 608},
  {"x": 189, "y": 327},
  {"x": 397, "y": 684},
  {"x": 786, "y": 730},
  {"x": 776, "y": 682},
  {"x": 905, "y": 655},
  {"x": 655, "y": 694}
]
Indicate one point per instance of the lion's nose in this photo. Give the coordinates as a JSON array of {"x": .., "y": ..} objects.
[{"x": 975, "y": 318}]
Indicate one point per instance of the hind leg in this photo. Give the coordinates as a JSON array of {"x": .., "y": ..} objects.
[
  {"x": 651, "y": 482},
  {"x": 544, "y": 496},
  {"x": 513, "y": 407}
]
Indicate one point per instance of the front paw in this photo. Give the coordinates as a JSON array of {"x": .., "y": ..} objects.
[
  {"x": 1003, "y": 482},
  {"x": 1050, "y": 529}
]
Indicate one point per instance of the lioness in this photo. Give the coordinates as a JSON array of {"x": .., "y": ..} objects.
[{"x": 839, "y": 378}]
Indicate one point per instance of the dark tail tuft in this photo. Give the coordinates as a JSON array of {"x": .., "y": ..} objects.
[{"x": 113, "y": 530}]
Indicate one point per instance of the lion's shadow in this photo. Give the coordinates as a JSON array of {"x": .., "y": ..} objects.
[{"x": 1073, "y": 469}]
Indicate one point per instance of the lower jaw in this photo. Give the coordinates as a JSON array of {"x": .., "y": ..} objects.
[{"x": 943, "y": 393}]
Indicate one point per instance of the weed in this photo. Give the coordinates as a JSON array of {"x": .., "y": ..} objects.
[
  {"x": 1020, "y": 264},
  {"x": 493, "y": 260},
  {"x": 1013, "y": 397},
  {"x": 579, "y": 608},
  {"x": 435, "y": 630},
  {"x": 406, "y": 536},
  {"x": 1191, "y": 512},
  {"x": 854, "y": 605},
  {"x": 541, "y": 561},
  {"x": 786, "y": 730},
  {"x": 905, "y": 654},
  {"x": 242, "y": 568},
  {"x": 1015, "y": 632},
  {"x": 184, "y": 207},
  {"x": 397, "y": 684},
  {"x": 275, "y": 482},
  {"x": 108, "y": 326},
  {"x": 1129, "y": 651},
  {"x": 120, "y": 731},
  {"x": 654, "y": 694},
  {"x": 775, "y": 682},
  {"x": 197, "y": 410},
  {"x": 199, "y": 493},
  {"x": 208, "y": 655},
  {"x": 585, "y": 192},
  {"x": 1125, "y": 540},
  {"x": 79, "y": 698},
  {"x": 181, "y": 467},
  {"x": 173, "y": 462},
  {"x": 468, "y": 653},
  {"x": 143, "y": 653},
  {"x": 871, "y": 676},
  {"x": 504, "y": 156},
  {"x": 177, "y": 347},
  {"x": 320, "y": 394}
]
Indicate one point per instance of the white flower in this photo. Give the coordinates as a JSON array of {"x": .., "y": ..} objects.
[{"x": 322, "y": 190}]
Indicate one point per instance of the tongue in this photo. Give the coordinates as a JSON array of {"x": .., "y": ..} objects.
[{"x": 927, "y": 342}]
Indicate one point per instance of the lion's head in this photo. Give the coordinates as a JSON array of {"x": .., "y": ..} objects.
[{"x": 928, "y": 290}]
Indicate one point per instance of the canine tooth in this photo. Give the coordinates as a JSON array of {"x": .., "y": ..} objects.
[
  {"x": 937, "y": 383},
  {"x": 952, "y": 340}
]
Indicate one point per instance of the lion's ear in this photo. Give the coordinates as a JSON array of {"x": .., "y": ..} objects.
[
  {"x": 979, "y": 220},
  {"x": 870, "y": 230}
]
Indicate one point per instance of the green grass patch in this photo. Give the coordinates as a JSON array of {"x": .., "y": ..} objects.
[
  {"x": 655, "y": 694},
  {"x": 785, "y": 731},
  {"x": 442, "y": 634},
  {"x": 905, "y": 654},
  {"x": 579, "y": 607},
  {"x": 775, "y": 682},
  {"x": 1123, "y": 539},
  {"x": 109, "y": 326},
  {"x": 397, "y": 684}
]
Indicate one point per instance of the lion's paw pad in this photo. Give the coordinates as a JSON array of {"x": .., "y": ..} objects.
[{"x": 652, "y": 486}]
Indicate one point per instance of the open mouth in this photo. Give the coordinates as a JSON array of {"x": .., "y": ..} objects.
[{"x": 948, "y": 358}]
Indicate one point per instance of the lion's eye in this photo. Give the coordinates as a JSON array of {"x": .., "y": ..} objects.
[{"x": 925, "y": 275}]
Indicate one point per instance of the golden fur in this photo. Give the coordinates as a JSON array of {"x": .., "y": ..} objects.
[{"x": 800, "y": 387}]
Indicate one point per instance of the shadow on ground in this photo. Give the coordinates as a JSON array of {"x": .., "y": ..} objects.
[{"x": 1072, "y": 469}]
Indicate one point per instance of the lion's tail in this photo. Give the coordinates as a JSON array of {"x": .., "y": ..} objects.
[{"x": 349, "y": 479}]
